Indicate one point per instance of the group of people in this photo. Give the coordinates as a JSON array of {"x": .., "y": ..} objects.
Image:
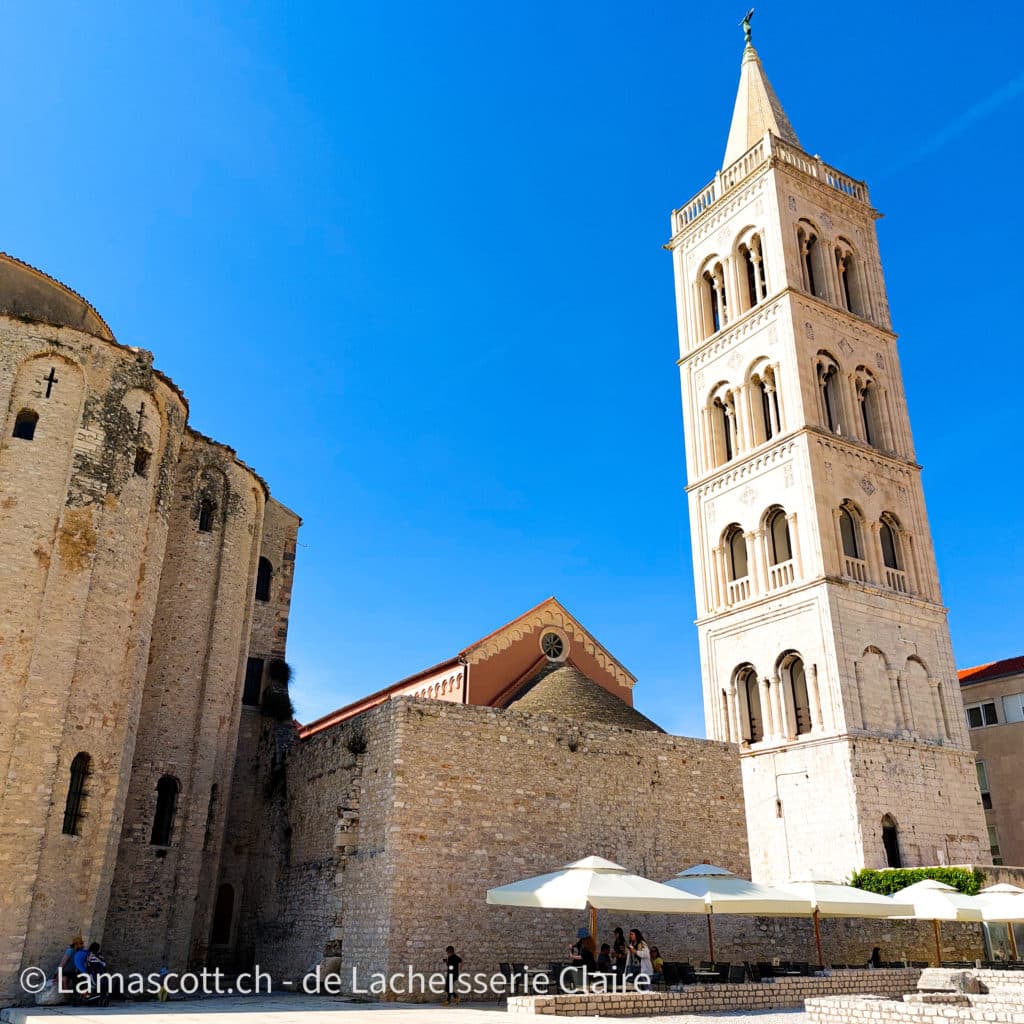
[
  {"x": 80, "y": 969},
  {"x": 626, "y": 958}
]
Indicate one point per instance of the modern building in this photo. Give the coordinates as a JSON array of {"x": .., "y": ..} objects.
[{"x": 993, "y": 697}]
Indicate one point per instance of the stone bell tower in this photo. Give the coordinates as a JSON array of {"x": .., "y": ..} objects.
[{"x": 824, "y": 647}]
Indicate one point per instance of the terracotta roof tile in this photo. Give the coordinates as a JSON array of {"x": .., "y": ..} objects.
[{"x": 991, "y": 670}]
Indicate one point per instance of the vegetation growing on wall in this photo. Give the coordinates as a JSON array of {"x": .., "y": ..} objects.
[{"x": 966, "y": 880}]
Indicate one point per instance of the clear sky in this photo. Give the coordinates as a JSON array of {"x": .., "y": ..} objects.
[{"x": 406, "y": 259}]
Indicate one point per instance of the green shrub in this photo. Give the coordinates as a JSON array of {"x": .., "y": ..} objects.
[{"x": 968, "y": 881}]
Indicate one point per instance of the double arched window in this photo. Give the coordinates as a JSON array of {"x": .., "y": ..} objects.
[
  {"x": 727, "y": 286},
  {"x": 782, "y": 710},
  {"x": 889, "y": 553},
  {"x": 741, "y": 571}
]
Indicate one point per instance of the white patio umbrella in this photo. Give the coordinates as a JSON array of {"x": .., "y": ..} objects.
[
  {"x": 722, "y": 892},
  {"x": 597, "y": 884},
  {"x": 935, "y": 901},
  {"x": 834, "y": 899},
  {"x": 1003, "y": 904}
]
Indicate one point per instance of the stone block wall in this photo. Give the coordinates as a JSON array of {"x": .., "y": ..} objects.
[
  {"x": 123, "y": 636},
  {"x": 483, "y": 797},
  {"x": 189, "y": 720},
  {"x": 83, "y": 528},
  {"x": 782, "y": 993}
]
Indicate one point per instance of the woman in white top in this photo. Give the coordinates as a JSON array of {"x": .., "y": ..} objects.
[{"x": 641, "y": 953}]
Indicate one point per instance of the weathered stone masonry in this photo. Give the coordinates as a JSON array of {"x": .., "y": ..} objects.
[{"x": 128, "y": 553}]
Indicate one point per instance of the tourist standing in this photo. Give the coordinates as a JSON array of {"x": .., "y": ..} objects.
[
  {"x": 452, "y": 963},
  {"x": 619, "y": 953},
  {"x": 640, "y": 956}
]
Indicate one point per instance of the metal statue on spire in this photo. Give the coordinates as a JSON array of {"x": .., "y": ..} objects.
[{"x": 745, "y": 23}]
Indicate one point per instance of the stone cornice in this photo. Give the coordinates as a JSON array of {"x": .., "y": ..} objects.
[
  {"x": 763, "y": 314},
  {"x": 854, "y": 736},
  {"x": 756, "y": 461}
]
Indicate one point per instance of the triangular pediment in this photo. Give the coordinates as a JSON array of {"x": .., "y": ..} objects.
[{"x": 515, "y": 649}]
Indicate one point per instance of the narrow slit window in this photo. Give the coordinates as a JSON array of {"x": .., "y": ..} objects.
[
  {"x": 25, "y": 425},
  {"x": 74, "y": 806},
  {"x": 206, "y": 516},
  {"x": 264, "y": 574},
  {"x": 166, "y": 808}
]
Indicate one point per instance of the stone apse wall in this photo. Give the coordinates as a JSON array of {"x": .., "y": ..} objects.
[
  {"x": 387, "y": 831},
  {"x": 124, "y": 626}
]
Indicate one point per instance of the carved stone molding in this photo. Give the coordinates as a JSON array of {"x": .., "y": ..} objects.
[
  {"x": 726, "y": 339},
  {"x": 751, "y": 467},
  {"x": 550, "y": 615}
]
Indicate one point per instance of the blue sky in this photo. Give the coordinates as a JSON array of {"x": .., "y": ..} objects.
[{"x": 406, "y": 258}]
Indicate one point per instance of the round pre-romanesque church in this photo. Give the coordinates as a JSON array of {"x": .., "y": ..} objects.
[{"x": 130, "y": 548}]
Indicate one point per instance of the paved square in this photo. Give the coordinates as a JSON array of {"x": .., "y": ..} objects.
[{"x": 300, "y": 1009}]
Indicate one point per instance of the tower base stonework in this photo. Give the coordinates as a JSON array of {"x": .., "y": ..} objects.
[{"x": 816, "y": 809}]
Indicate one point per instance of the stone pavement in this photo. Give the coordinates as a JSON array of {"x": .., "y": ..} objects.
[{"x": 300, "y": 1009}]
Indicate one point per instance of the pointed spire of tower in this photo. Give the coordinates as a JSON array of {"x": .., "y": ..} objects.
[{"x": 757, "y": 109}]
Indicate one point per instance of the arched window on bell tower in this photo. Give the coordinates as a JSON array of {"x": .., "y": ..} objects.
[
  {"x": 779, "y": 548},
  {"x": 869, "y": 400},
  {"x": 892, "y": 555},
  {"x": 753, "y": 283},
  {"x": 714, "y": 303},
  {"x": 851, "y": 545},
  {"x": 736, "y": 564},
  {"x": 722, "y": 413},
  {"x": 813, "y": 271},
  {"x": 852, "y": 293},
  {"x": 794, "y": 687},
  {"x": 829, "y": 388},
  {"x": 763, "y": 393},
  {"x": 749, "y": 692}
]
